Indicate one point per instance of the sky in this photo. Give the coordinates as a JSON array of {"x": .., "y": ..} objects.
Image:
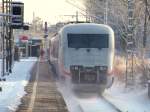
[{"x": 48, "y": 10}]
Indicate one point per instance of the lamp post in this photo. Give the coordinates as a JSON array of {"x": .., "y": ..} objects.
[{"x": 46, "y": 41}]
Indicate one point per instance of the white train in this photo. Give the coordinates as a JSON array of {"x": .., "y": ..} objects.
[{"x": 84, "y": 53}]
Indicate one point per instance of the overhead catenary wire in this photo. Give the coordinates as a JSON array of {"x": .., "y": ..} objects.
[{"x": 84, "y": 11}]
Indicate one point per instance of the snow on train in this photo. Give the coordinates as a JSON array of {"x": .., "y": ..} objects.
[{"x": 84, "y": 53}]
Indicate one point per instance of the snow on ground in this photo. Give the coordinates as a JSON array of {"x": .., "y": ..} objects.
[
  {"x": 13, "y": 88},
  {"x": 81, "y": 101},
  {"x": 130, "y": 99},
  {"x": 70, "y": 99},
  {"x": 95, "y": 104},
  {"x": 127, "y": 99}
]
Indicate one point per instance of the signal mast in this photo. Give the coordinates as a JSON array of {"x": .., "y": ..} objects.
[{"x": 130, "y": 45}]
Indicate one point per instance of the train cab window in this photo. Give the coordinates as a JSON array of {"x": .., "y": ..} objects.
[{"x": 88, "y": 40}]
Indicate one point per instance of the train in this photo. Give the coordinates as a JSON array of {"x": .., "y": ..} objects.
[{"x": 84, "y": 54}]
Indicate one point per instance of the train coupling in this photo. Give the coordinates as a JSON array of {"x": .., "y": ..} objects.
[{"x": 89, "y": 75}]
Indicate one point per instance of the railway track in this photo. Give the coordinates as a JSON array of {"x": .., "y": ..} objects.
[
  {"x": 111, "y": 104},
  {"x": 97, "y": 104},
  {"x": 86, "y": 101}
]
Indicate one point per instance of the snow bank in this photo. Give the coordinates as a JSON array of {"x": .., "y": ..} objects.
[
  {"x": 13, "y": 88},
  {"x": 131, "y": 99}
]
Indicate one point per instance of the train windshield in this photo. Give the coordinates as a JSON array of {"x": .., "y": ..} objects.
[{"x": 88, "y": 40}]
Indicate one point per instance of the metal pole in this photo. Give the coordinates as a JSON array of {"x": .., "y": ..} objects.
[
  {"x": 86, "y": 16},
  {"x": 3, "y": 41},
  {"x": 106, "y": 11},
  {"x": 26, "y": 49},
  {"x": 31, "y": 50},
  {"x": 10, "y": 37},
  {"x": 46, "y": 40},
  {"x": 7, "y": 37},
  {"x": 77, "y": 17},
  {"x": 144, "y": 38},
  {"x": 145, "y": 26},
  {"x": 130, "y": 45},
  {"x": 126, "y": 75}
]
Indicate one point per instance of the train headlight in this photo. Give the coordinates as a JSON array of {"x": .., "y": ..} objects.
[
  {"x": 75, "y": 67},
  {"x": 103, "y": 68}
]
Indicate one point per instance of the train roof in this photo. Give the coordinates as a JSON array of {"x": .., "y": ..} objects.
[{"x": 86, "y": 27}]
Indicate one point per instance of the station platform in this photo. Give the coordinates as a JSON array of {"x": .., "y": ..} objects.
[{"x": 42, "y": 94}]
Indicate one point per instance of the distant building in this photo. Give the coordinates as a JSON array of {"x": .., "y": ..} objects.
[{"x": 29, "y": 47}]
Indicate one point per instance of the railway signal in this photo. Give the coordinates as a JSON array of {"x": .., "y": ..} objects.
[
  {"x": 25, "y": 27},
  {"x": 17, "y": 11},
  {"x": 45, "y": 30},
  {"x": 46, "y": 41}
]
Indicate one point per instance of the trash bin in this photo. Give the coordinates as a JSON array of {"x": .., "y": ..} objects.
[{"x": 149, "y": 88}]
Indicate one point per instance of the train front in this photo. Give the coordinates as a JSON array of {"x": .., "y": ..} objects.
[{"x": 88, "y": 54}]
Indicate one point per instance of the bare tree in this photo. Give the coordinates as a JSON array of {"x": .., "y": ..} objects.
[
  {"x": 118, "y": 17},
  {"x": 118, "y": 20}
]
